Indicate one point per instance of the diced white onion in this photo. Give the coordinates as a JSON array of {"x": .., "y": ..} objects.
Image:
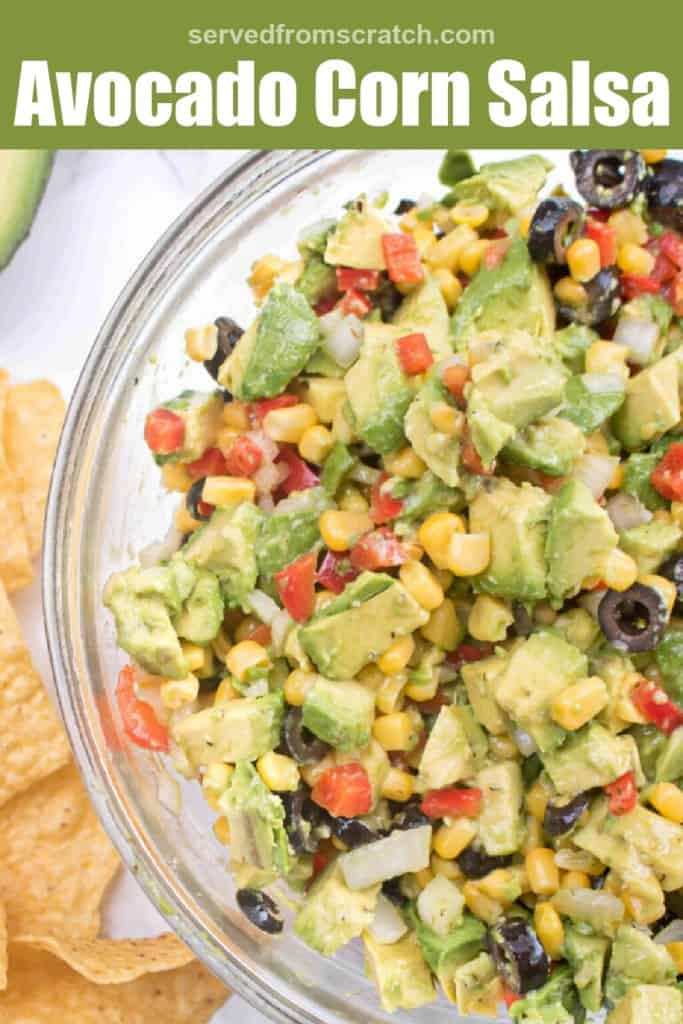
[
  {"x": 257, "y": 689},
  {"x": 403, "y": 852},
  {"x": 596, "y": 471},
  {"x": 263, "y": 606},
  {"x": 602, "y": 383},
  {"x": 341, "y": 337},
  {"x": 160, "y": 550},
  {"x": 440, "y": 905},
  {"x": 279, "y": 630},
  {"x": 638, "y": 336},
  {"x": 424, "y": 201},
  {"x": 672, "y": 933},
  {"x": 627, "y": 511},
  {"x": 387, "y": 925},
  {"x": 363, "y": 474},
  {"x": 525, "y": 743},
  {"x": 600, "y": 909},
  {"x": 590, "y": 602}
]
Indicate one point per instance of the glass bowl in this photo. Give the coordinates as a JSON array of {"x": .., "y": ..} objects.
[{"x": 106, "y": 504}]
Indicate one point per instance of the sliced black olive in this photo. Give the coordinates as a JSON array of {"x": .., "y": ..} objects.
[
  {"x": 260, "y": 909},
  {"x": 555, "y": 225},
  {"x": 193, "y": 501},
  {"x": 304, "y": 747},
  {"x": 353, "y": 832},
  {"x": 404, "y": 206},
  {"x": 518, "y": 955},
  {"x": 608, "y": 178},
  {"x": 634, "y": 619},
  {"x": 388, "y": 299},
  {"x": 475, "y": 862},
  {"x": 410, "y": 815},
  {"x": 603, "y": 298},
  {"x": 664, "y": 189},
  {"x": 393, "y": 892},
  {"x": 672, "y": 569},
  {"x": 302, "y": 820},
  {"x": 560, "y": 819},
  {"x": 229, "y": 333}
]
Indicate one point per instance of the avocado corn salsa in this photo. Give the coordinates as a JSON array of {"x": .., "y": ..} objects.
[{"x": 418, "y": 628}]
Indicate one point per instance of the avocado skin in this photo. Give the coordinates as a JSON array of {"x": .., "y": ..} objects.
[{"x": 27, "y": 173}]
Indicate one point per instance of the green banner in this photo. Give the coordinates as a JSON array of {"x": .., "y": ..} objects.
[{"x": 216, "y": 74}]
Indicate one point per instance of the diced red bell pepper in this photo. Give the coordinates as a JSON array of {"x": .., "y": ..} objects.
[
  {"x": 211, "y": 463},
  {"x": 245, "y": 457},
  {"x": 344, "y": 791},
  {"x": 140, "y": 722},
  {"x": 623, "y": 794},
  {"x": 260, "y": 634},
  {"x": 336, "y": 571},
  {"x": 633, "y": 285},
  {"x": 510, "y": 997},
  {"x": 675, "y": 294},
  {"x": 455, "y": 378},
  {"x": 654, "y": 704},
  {"x": 261, "y": 408},
  {"x": 667, "y": 476},
  {"x": 326, "y": 305},
  {"x": 296, "y": 587},
  {"x": 205, "y": 509},
  {"x": 380, "y": 549},
  {"x": 363, "y": 280},
  {"x": 402, "y": 258},
  {"x": 671, "y": 245},
  {"x": 466, "y": 653},
  {"x": 606, "y": 239},
  {"x": 320, "y": 862},
  {"x": 355, "y": 303},
  {"x": 471, "y": 459},
  {"x": 383, "y": 506},
  {"x": 300, "y": 476},
  {"x": 664, "y": 270},
  {"x": 414, "y": 354},
  {"x": 164, "y": 431},
  {"x": 452, "y": 803}
]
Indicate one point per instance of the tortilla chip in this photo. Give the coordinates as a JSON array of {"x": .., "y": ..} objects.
[
  {"x": 43, "y": 990},
  {"x": 16, "y": 570},
  {"x": 113, "y": 961},
  {"x": 33, "y": 423},
  {"x": 55, "y": 859},
  {"x": 32, "y": 742},
  {"x": 3, "y": 949}
]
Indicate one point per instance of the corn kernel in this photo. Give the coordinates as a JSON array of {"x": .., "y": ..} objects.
[
  {"x": 596, "y": 444},
  {"x": 677, "y": 512},
  {"x": 245, "y": 656},
  {"x": 542, "y": 871},
  {"x": 396, "y": 657},
  {"x": 667, "y": 799},
  {"x": 472, "y": 255},
  {"x": 422, "y": 691},
  {"x": 396, "y": 731},
  {"x": 472, "y": 214},
  {"x": 423, "y": 878},
  {"x": 351, "y": 500},
  {"x": 549, "y": 928},
  {"x": 201, "y": 342},
  {"x": 450, "y": 840},
  {"x": 450, "y": 287},
  {"x": 675, "y": 951},
  {"x": 263, "y": 275},
  {"x": 225, "y": 692},
  {"x": 502, "y": 885},
  {"x": 289, "y": 423},
  {"x": 371, "y": 677},
  {"x": 633, "y": 259},
  {"x": 662, "y": 516},
  {"x": 184, "y": 522},
  {"x": 629, "y": 227},
  {"x": 444, "y": 628},
  {"x": 220, "y": 645},
  {"x": 405, "y": 463},
  {"x": 198, "y": 659},
  {"x": 389, "y": 696},
  {"x": 578, "y": 704},
  {"x": 215, "y": 781},
  {"x": 297, "y": 685},
  {"x": 341, "y": 428},
  {"x": 665, "y": 588},
  {"x": 534, "y": 834},
  {"x": 225, "y": 439},
  {"x": 537, "y": 800},
  {"x": 544, "y": 614},
  {"x": 446, "y": 252},
  {"x": 279, "y": 773},
  {"x": 570, "y": 292},
  {"x": 236, "y": 416},
  {"x": 316, "y": 444},
  {"x": 326, "y": 395},
  {"x": 607, "y": 357},
  {"x": 424, "y": 238},
  {"x": 221, "y": 830},
  {"x": 176, "y": 693},
  {"x": 340, "y": 529},
  {"x": 583, "y": 259},
  {"x": 398, "y": 785},
  {"x": 524, "y": 220},
  {"x": 447, "y": 419},
  {"x": 225, "y": 491},
  {"x": 489, "y": 619},
  {"x": 481, "y": 905},
  {"x": 469, "y": 553},
  {"x": 576, "y": 880},
  {"x": 653, "y": 156},
  {"x": 617, "y": 478},
  {"x": 175, "y": 477},
  {"x": 641, "y": 911},
  {"x": 435, "y": 535},
  {"x": 447, "y": 868},
  {"x": 422, "y": 585}
]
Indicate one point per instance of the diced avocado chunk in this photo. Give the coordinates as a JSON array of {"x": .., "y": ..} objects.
[
  {"x": 317, "y": 280},
  {"x": 257, "y": 821},
  {"x": 669, "y": 767},
  {"x": 553, "y": 1003},
  {"x": 652, "y": 404},
  {"x": 313, "y": 238},
  {"x": 424, "y": 311},
  {"x": 650, "y": 543},
  {"x": 226, "y": 546},
  {"x": 637, "y": 960},
  {"x": 591, "y": 398},
  {"x": 591, "y": 758},
  {"x": 578, "y": 627},
  {"x": 360, "y": 625},
  {"x": 333, "y": 914},
  {"x": 478, "y": 987},
  {"x": 638, "y": 468},
  {"x": 571, "y": 344},
  {"x": 200, "y": 411},
  {"x": 537, "y": 671},
  {"x": 617, "y": 673},
  {"x": 357, "y": 240},
  {"x": 291, "y": 530},
  {"x": 440, "y": 452},
  {"x": 23, "y": 174},
  {"x": 580, "y": 537},
  {"x": 447, "y": 756},
  {"x": 644, "y": 308},
  {"x": 658, "y": 841},
  {"x": 506, "y": 186},
  {"x": 340, "y": 713},
  {"x": 240, "y": 730},
  {"x": 587, "y": 955},
  {"x": 445, "y": 953},
  {"x": 275, "y": 349},
  {"x": 202, "y": 614},
  {"x": 378, "y": 390},
  {"x": 515, "y": 518},
  {"x": 429, "y": 495},
  {"x": 551, "y": 445},
  {"x": 649, "y": 1004},
  {"x": 481, "y": 680},
  {"x": 338, "y": 463},
  {"x": 501, "y": 824},
  {"x": 515, "y": 295},
  {"x": 456, "y": 165},
  {"x": 400, "y": 973}
]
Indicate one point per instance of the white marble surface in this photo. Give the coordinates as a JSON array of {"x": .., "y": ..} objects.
[{"x": 101, "y": 213}]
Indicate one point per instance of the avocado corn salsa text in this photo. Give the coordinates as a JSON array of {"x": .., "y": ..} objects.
[{"x": 416, "y": 631}]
